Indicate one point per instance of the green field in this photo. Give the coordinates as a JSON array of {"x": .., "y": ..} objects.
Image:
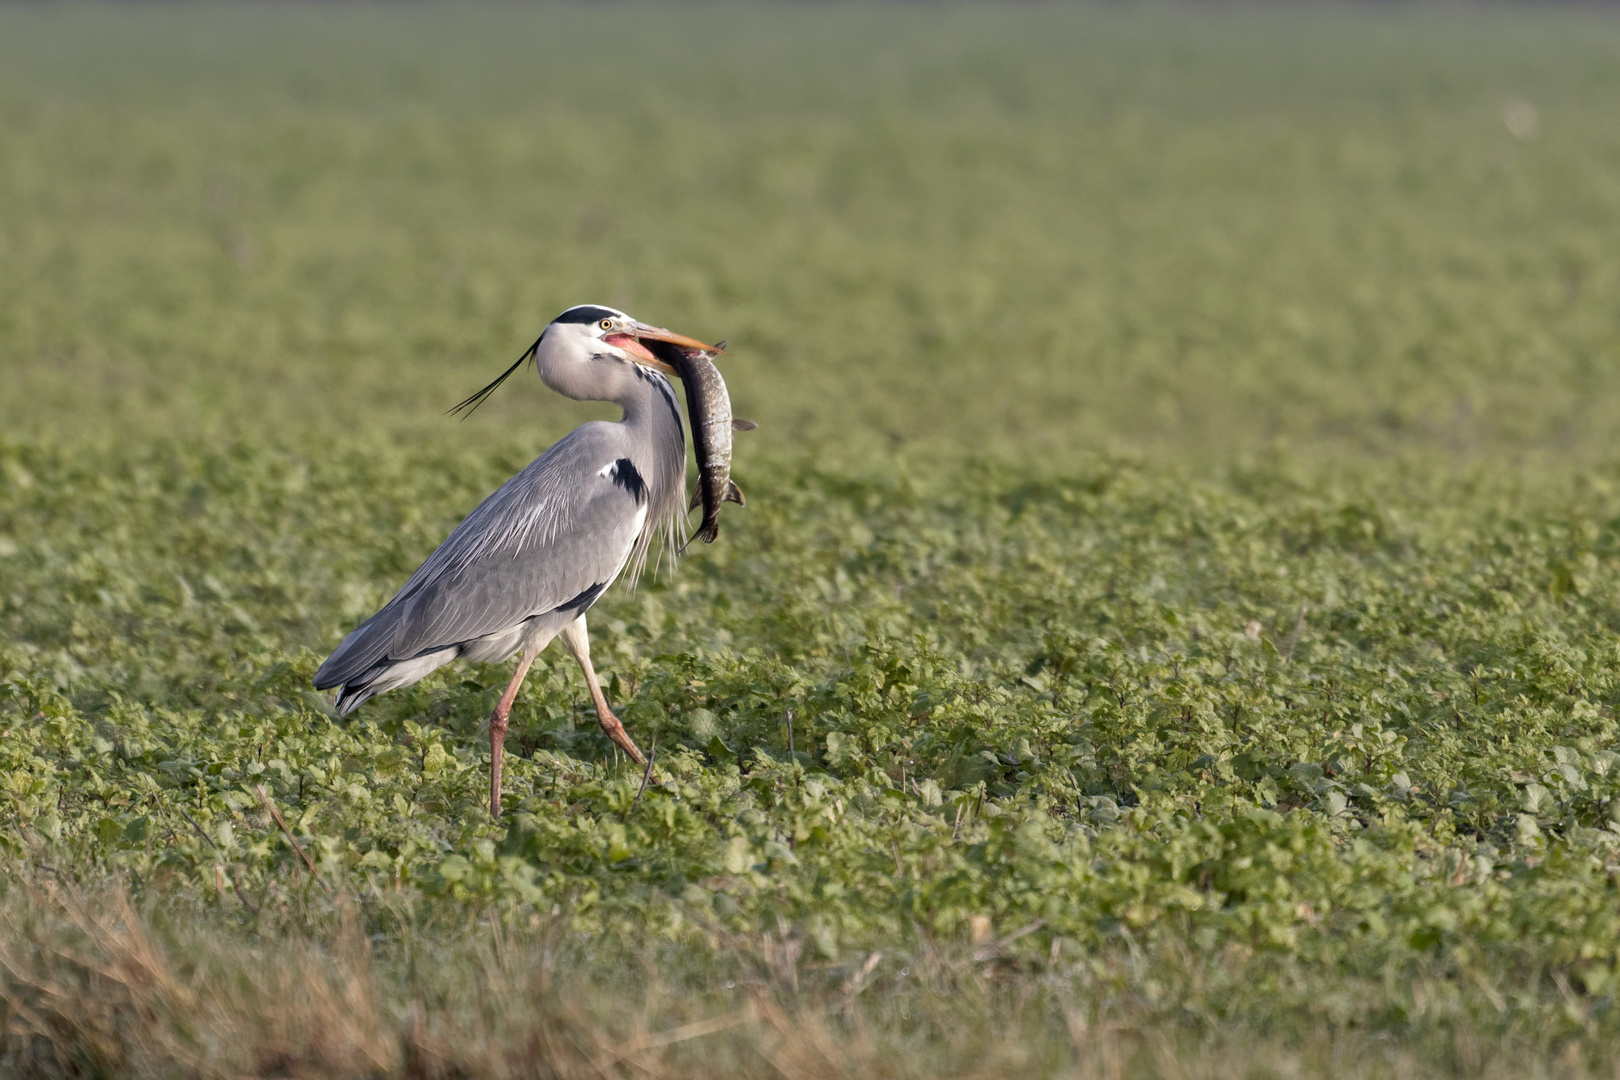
[{"x": 1173, "y": 631}]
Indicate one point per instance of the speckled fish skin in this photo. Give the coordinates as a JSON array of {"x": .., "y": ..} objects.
[{"x": 708, "y": 410}]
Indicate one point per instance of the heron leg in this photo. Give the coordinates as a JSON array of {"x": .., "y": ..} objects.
[
  {"x": 578, "y": 641},
  {"x": 497, "y": 729}
]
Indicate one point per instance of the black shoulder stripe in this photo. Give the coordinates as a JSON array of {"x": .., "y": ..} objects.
[
  {"x": 669, "y": 399},
  {"x": 584, "y": 599},
  {"x": 626, "y": 476}
]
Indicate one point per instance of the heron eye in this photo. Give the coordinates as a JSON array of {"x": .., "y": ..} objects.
[{"x": 607, "y": 324}]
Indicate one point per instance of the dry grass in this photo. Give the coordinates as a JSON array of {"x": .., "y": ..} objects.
[{"x": 97, "y": 985}]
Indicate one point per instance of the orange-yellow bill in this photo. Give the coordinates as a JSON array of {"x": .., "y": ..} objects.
[{"x": 632, "y": 344}]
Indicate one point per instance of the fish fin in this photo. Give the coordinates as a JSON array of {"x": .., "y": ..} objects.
[
  {"x": 692, "y": 503},
  {"x": 739, "y": 424},
  {"x": 734, "y": 494},
  {"x": 707, "y": 533},
  {"x": 720, "y": 346}
]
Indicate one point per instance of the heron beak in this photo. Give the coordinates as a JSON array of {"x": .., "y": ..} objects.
[
  {"x": 632, "y": 345},
  {"x": 658, "y": 333}
]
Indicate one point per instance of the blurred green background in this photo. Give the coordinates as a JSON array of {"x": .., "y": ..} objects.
[{"x": 1027, "y": 232}]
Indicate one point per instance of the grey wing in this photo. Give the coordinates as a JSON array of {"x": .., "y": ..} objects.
[{"x": 551, "y": 539}]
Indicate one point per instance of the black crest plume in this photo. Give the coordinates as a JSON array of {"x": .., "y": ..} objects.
[{"x": 470, "y": 405}]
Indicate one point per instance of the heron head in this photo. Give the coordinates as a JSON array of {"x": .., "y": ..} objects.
[
  {"x": 587, "y": 332},
  {"x": 591, "y": 326}
]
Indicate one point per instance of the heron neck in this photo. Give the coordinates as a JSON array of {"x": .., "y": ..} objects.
[
  {"x": 647, "y": 400},
  {"x": 657, "y": 439}
]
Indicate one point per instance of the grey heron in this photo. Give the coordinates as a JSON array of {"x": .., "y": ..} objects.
[{"x": 527, "y": 564}]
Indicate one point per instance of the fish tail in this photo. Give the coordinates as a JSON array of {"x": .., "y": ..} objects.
[{"x": 706, "y": 533}]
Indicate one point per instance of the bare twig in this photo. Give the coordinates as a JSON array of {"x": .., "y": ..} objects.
[
  {"x": 857, "y": 981},
  {"x": 236, "y": 887},
  {"x": 994, "y": 949},
  {"x": 646, "y": 774},
  {"x": 1029, "y": 928},
  {"x": 199, "y": 828},
  {"x": 1292, "y": 639},
  {"x": 219, "y": 874},
  {"x": 264, "y": 797},
  {"x": 695, "y": 1030}
]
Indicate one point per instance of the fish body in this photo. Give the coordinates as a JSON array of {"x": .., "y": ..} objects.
[{"x": 708, "y": 410}]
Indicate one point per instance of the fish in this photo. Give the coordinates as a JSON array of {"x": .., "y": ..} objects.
[{"x": 708, "y": 410}]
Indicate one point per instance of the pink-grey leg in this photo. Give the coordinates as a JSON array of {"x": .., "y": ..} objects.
[
  {"x": 497, "y": 729},
  {"x": 575, "y": 636}
]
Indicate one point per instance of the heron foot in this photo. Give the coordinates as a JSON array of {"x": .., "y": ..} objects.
[
  {"x": 614, "y": 729},
  {"x": 579, "y": 643}
]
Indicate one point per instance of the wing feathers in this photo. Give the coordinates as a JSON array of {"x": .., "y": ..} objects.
[{"x": 555, "y": 534}]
